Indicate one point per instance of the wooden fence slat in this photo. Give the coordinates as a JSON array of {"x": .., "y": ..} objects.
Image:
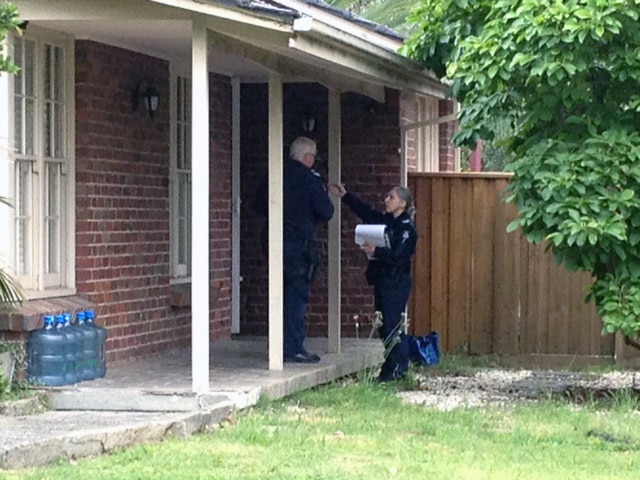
[
  {"x": 440, "y": 260},
  {"x": 557, "y": 301},
  {"x": 459, "y": 265},
  {"x": 421, "y": 294},
  {"x": 531, "y": 314},
  {"x": 482, "y": 244},
  {"x": 506, "y": 286}
]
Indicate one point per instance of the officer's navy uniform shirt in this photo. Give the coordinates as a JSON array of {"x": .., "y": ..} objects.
[
  {"x": 387, "y": 264},
  {"x": 306, "y": 202}
]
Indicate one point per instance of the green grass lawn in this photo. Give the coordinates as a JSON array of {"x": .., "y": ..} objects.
[{"x": 362, "y": 431}]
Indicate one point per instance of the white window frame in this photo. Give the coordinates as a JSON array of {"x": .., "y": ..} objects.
[
  {"x": 428, "y": 136},
  {"x": 36, "y": 282},
  {"x": 180, "y": 145}
]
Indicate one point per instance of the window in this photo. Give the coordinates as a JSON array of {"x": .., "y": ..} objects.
[
  {"x": 181, "y": 179},
  {"x": 43, "y": 164},
  {"x": 427, "y": 137}
]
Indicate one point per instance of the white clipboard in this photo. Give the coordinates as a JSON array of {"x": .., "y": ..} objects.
[{"x": 372, "y": 234}]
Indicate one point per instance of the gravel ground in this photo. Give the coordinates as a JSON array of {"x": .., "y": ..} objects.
[{"x": 505, "y": 387}]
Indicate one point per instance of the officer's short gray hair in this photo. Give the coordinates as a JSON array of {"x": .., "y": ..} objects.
[
  {"x": 405, "y": 195},
  {"x": 301, "y": 146}
]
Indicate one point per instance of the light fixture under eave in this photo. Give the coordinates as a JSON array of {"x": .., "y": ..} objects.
[
  {"x": 147, "y": 92},
  {"x": 308, "y": 123}
]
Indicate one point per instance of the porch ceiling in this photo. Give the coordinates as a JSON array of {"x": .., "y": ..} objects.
[{"x": 166, "y": 39}]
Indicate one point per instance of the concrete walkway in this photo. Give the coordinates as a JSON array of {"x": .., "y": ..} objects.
[{"x": 150, "y": 399}]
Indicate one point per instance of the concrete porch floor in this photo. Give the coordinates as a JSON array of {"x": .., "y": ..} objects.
[{"x": 151, "y": 398}]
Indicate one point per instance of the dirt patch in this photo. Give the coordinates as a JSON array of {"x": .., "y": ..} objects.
[{"x": 503, "y": 387}]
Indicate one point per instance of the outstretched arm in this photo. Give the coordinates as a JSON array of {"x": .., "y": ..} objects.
[{"x": 362, "y": 209}]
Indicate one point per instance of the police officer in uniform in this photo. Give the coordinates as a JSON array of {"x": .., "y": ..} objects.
[
  {"x": 389, "y": 270},
  {"x": 306, "y": 204}
]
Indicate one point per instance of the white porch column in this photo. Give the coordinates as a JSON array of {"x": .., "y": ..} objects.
[
  {"x": 276, "y": 165},
  {"x": 335, "y": 161},
  {"x": 200, "y": 211}
]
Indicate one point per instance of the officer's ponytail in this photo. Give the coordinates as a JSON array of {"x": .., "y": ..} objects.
[{"x": 405, "y": 194}]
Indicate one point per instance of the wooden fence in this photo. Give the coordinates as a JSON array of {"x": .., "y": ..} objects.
[{"x": 487, "y": 291}]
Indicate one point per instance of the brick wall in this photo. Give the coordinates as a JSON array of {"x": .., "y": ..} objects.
[
  {"x": 220, "y": 206},
  {"x": 300, "y": 100},
  {"x": 122, "y": 209},
  {"x": 254, "y": 133},
  {"x": 371, "y": 165}
]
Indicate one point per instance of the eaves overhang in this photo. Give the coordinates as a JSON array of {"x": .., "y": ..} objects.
[
  {"x": 324, "y": 41},
  {"x": 315, "y": 35}
]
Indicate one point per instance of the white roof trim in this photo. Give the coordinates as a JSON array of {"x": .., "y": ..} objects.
[
  {"x": 321, "y": 40},
  {"x": 342, "y": 24}
]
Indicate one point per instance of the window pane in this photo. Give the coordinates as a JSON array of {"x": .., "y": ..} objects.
[
  {"x": 24, "y": 101},
  {"x": 30, "y": 68},
  {"x": 52, "y": 218},
  {"x": 46, "y": 132},
  {"x": 53, "y": 96},
  {"x": 179, "y": 97},
  {"x": 29, "y": 127},
  {"x": 18, "y": 59},
  {"x": 182, "y": 208},
  {"x": 179, "y": 144},
  {"x": 18, "y": 115},
  {"x": 53, "y": 131},
  {"x": 187, "y": 147},
  {"x": 58, "y": 77},
  {"x": 184, "y": 218},
  {"x": 58, "y": 133},
  {"x": 23, "y": 216}
]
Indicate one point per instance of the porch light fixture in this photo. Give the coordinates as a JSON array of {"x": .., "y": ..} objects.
[
  {"x": 308, "y": 123},
  {"x": 147, "y": 92}
]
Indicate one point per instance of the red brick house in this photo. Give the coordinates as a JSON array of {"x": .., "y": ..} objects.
[{"x": 134, "y": 136}]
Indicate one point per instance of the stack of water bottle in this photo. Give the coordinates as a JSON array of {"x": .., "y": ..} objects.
[{"x": 66, "y": 352}]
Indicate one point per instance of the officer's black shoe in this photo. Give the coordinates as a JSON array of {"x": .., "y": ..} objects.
[
  {"x": 302, "y": 358},
  {"x": 386, "y": 376}
]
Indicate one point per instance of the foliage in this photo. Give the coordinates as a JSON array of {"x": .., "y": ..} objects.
[
  {"x": 392, "y": 13},
  {"x": 17, "y": 352},
  {"x": 9, "y": 21},
  {"x": 16, "y": 349},
  {"x": 565, "y": 77},
  {"x": 10, "y": 291}
]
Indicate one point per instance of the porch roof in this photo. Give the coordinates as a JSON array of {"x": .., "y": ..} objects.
[{"x": 302, "y": 40}]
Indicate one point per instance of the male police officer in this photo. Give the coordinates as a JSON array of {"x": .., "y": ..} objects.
[{"x": 306, "y": 204}]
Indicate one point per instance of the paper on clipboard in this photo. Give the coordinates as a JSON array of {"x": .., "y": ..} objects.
[{"x": 372, "y": 234}]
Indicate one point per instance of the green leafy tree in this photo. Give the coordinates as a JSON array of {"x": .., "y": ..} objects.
[
  {"x": 565, "y": 77},
  {"x": 10, "y": 291},
  {"x": 392, "y": 13}
]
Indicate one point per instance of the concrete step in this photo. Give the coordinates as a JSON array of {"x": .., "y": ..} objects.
[{"x": 131, "y": 400}]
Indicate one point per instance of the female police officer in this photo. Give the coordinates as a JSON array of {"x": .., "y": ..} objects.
[{"x": 389, "y": 270}]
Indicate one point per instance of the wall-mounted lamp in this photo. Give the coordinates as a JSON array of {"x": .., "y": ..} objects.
[
  {"x": 147, "y": 92},
  {"x": 308, "y": 122}
]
